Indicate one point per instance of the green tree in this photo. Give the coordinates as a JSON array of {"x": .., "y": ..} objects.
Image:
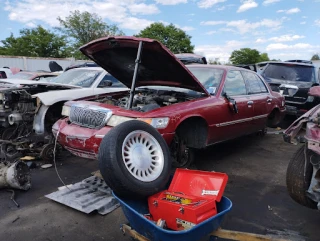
[
  {"x": 35, "y": 42},
  {"x": 315, "y": 57},
  {"x": 81, "y": 28},
  {"x": 248, "y": 56},
  {"x": 172, "y": 37}
]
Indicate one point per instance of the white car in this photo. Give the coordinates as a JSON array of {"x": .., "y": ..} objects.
[{"x": 29, "y": 108}]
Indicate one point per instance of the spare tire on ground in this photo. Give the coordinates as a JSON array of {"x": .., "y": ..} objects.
[{"x": 134, "y": 160}]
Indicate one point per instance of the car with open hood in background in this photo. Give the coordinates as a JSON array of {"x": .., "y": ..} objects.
[
  {"x": 30, "y": 108},
  {"x": 191, "y": 106},
  {"x": 293, "y": 80}
]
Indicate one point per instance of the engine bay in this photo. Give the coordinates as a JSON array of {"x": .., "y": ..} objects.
[{"x": 146, "y": 100}]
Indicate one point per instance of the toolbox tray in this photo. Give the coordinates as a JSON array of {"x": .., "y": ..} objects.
[{"x": 135, "y": 209}]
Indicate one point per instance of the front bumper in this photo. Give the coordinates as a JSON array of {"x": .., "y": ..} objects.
[
  {"x": 85, "y": 142},
  {"x": 295, "y": 111}
]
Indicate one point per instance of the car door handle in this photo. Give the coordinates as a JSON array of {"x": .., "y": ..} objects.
[
  {"x": 250, "y": 102},
  {"x": 269, "y": 100}
]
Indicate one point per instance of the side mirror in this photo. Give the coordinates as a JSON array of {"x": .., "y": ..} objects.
[
  {"x": 106, "y": 83},
  {"x": 314, "y": 91},
  {"x": 232, "y": 103}
]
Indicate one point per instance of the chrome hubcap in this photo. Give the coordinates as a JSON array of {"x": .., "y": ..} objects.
[{"x": 142, "y": 156}]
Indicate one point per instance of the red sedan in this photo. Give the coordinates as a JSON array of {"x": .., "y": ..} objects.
[{"x": 192, "y": 107}]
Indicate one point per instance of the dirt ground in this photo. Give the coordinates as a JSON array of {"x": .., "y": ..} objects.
[{"x": 256, "y": 167}]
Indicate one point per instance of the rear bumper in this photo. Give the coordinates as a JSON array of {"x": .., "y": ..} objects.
[{"x": 85, "y": 142}]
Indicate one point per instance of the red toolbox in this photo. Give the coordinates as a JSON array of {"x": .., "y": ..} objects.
[{"x": 190, "y": 199}]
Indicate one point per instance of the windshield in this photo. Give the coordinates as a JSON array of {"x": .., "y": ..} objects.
[
  {"x": 290, "y": 72},
  {"x": 210, "y": 78},
  {"x": 21, "y": 75},
  {"x": 78, "y": 77}
]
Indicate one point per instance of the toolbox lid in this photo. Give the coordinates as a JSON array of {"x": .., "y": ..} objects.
[{"x": 203, "y": 184}]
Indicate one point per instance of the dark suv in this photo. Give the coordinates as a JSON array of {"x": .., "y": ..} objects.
[{"x": 293, "y": 80}]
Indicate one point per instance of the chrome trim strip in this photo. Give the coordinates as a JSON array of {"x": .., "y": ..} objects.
[{"x": 241, "y": 121}]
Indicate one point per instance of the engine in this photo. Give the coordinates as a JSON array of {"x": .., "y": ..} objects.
[{"x": 149, "y": 99}]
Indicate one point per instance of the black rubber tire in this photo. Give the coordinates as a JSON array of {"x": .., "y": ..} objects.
[
  {"x": 297, "y": 183},
  {"x": 114, "y": 171},
  {"x": 274, "y": 119}
]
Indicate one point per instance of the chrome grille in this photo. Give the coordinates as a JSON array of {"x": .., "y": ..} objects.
[{"x": 89, "y": 116}]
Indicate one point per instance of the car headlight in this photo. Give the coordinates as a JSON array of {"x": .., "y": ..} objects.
[
  {"x": 310, "y": 99},
  {"x": 292, "y": 92},
  {"x": 158, "y": 123},
  {"x": 116, "y": 120},
  {"x": 65, "y": 110}
]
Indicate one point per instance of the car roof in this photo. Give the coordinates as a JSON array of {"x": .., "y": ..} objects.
[
  {"x": 292, "y": 63},
  {"x": 225, "y": 67}
]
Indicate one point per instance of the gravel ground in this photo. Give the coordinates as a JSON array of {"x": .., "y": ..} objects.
[{"x": 256, "y": 167}]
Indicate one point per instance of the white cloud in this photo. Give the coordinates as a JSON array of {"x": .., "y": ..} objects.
[
  {"x": 280, "y": 46},
  {"x": 171, "y": 2},
  {"x": 135, "y": 23},
  {"x": 243, "y": 26},
  {"x": 211, "y": 32},
  {"x": 304, "y": 22},
  {"x": 31, "y": 25},
  {"x": 212, "y": 23},
  {"x": 317, "y": 22},
  {"x": 187, "y": 28},
  {"x": 209, "y": 3},
  {"x": 261, "y": 40},
  {"x": 268, "y": 2},
  {"x": 286, "y": 38},
  {"x": 246, "y": 5},
  {"x": 112, "y": 11},
  {"x": 220, "y": 52},
  {"x": 289, "y": 11},
  {"x": 143, "y": 9}
]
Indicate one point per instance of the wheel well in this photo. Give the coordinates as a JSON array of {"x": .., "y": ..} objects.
[
  {"x": 53, "y": 114},
  {"x": 194, "y": 131},
  {"x": 274, "y": 118}
]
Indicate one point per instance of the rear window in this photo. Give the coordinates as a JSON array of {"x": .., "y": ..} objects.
[{"x": 290, "y": 72}]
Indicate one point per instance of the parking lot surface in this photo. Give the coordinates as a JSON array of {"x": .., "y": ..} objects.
[{"x": 256, "y": 167}]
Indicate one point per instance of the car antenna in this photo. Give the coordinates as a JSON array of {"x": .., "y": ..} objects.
[{"x": 136, "y": 67}]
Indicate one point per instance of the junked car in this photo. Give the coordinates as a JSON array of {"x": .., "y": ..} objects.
[
  {"x": 30, "y": 108},
  {"x": 293, "y": 80},
  {"x": 304, "y": 168},
  {"x": 34, "y": 75},
  {"x": 191, "y": 107}
]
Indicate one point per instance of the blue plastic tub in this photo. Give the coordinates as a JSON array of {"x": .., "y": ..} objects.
[{"x": 134, "y": 210}]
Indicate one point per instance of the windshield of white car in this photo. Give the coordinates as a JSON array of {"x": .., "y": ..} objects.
[
  {"x": 290, "y": 72},
  {"x": 210, "y": 78},
  {"x": 78, "y": 77}
]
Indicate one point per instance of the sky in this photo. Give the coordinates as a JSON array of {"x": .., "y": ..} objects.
[{"x": 285, "y": 29}]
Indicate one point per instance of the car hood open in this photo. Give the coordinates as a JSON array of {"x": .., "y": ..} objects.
[{"x": 158, "y": 65}]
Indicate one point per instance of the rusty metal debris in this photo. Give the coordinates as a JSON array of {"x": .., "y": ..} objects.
[{"x": 16, "y": 175}]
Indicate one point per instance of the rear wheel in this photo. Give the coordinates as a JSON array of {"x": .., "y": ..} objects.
[
  {"x": 134, "y": 160},
  {"x": 299, "y": 175},
  {"x": 274, "y": 119}
]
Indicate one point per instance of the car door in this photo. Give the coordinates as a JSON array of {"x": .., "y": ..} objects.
[
  {"x": 259, "y": 96},
  {"x": 233, "y": 124}
]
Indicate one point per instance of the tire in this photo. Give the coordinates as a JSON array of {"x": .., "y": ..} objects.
[
  {"x": 10, "y": 151},
  {"x": 298, "y": 179},
  {"x": 274, "y": 119},
  {"x": 120, "y": 162},
  {"x": 182, "y": 156}
]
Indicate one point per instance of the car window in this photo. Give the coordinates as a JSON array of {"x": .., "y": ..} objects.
[
  {"x": 291, "y": 72},
  {"x": 210, "y": 78},
  {"x": 254, "y": 83},
  {"x": 77, "y": 77},
  {"x": 234, "y": 84},
  {"x": 3, "y": 75},
  {"x": 115, "y": 83}
]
